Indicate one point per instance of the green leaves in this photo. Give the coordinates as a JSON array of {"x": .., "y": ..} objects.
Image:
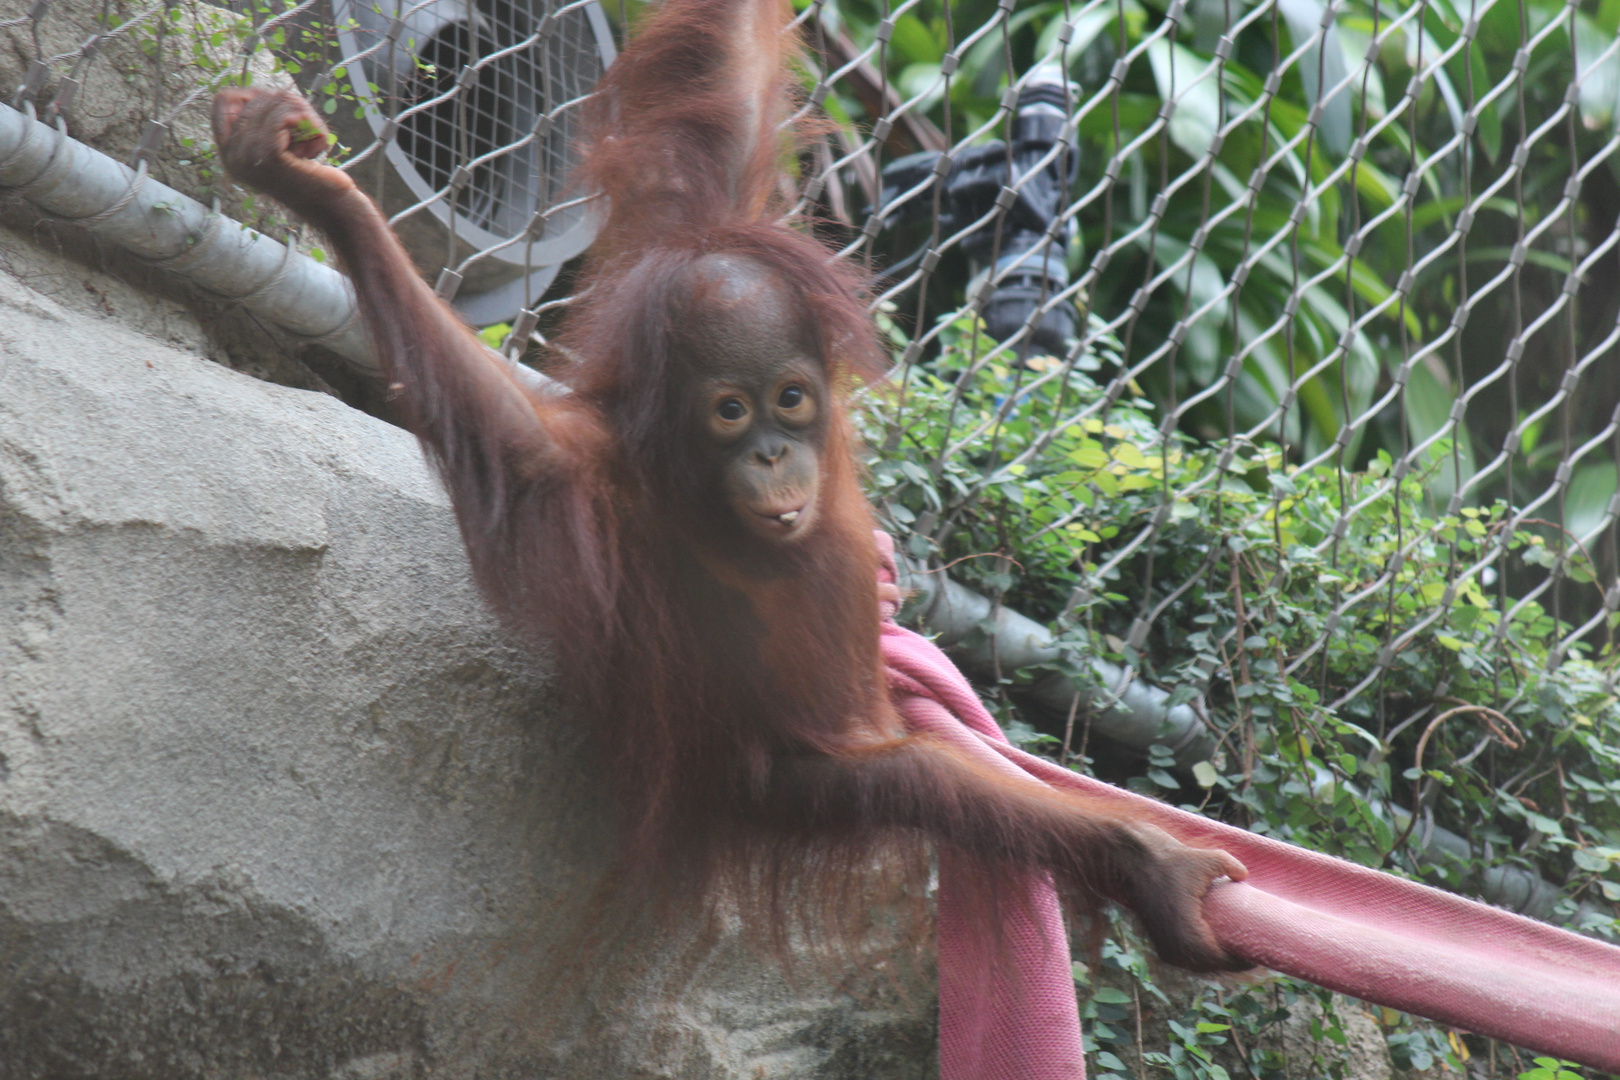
[
  {"x": 986, "y": 459},
  {"x": 1324, "y": 299},
  {"x": 1597, "y": 64},
  {"x": 495, "y": 336},
  {"x": 1192, "y": 83},
  {"x": 1322, "y": 69}
]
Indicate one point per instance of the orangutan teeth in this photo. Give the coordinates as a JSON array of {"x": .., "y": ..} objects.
[{"x": 788, "y": 518}]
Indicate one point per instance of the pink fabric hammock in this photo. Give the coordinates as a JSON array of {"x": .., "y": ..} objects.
[{"x": 1358, "y": 931}]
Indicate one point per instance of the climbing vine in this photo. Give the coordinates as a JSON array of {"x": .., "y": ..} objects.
[{"x": 1335, "y": 723}]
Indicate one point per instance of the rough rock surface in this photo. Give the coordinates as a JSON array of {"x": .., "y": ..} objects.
[{"x": 277, "y": 799}]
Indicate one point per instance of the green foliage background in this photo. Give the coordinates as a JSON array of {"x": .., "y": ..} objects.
[
  {"x": 1057, "y": 488},
  {"x": 1319, "y": 345},
  {"x": 1533, "y": 780},
  {"x": 1040, "y": 484}
]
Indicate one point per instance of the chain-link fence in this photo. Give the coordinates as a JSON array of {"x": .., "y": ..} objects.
[
  {"x": 1268, "y": 350},
  {"x": 1265, "y": 350},
  {"x": 459, "y": 119},
  {"x": 1303, "y": 271},
  {"x": 1255, "y": 422}
]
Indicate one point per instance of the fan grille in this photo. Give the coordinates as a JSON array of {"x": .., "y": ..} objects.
[{"x": 491, "y": 125}]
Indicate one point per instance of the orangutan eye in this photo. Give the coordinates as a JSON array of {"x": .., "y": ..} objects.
[
  {"x": 791, "y": 396},
  {"x": 731, "y": 409}
]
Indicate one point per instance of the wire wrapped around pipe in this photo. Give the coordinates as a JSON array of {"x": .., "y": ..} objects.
[{"x": 77, "y": 185}]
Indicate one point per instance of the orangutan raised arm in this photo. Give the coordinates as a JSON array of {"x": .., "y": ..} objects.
[{"x": 686, "y": 527}]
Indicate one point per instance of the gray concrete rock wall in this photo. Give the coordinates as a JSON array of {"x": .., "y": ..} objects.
[{"x": 277, "y": 798}]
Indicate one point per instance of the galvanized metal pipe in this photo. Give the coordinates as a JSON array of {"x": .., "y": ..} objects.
[
  {"x": 80, "y": 186},
  {"x": 84, "y": 187},
  {"x": 1131, "y": 713}
]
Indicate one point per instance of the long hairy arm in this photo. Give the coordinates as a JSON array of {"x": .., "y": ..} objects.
[
  {"x": 489, "y": 434},
  {"x": 1090, "y": 847},
  {"x": 686, "y": 128}
]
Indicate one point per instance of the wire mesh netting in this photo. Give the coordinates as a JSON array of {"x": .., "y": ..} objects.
[
  {"x": 1293, "y": 271},
  {"x": 1267, "y": 349},
  {"x": 458, "y": 118}
]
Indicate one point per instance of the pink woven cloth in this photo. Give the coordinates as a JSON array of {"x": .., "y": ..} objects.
[{"x": 1355, "y": 930}]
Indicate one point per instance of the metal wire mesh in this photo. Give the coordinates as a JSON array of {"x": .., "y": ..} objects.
[
  {"x": 1332, "y": 347},
  {"x": 1233, "y": 214},
  {"x": 1193, "y": 85},
  {"x": 1263, "y": 350},
  {"x": 466, "y": 112}
]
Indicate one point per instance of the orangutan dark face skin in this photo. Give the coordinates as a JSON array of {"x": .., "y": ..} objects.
[{"x": 761, "y": 396}]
